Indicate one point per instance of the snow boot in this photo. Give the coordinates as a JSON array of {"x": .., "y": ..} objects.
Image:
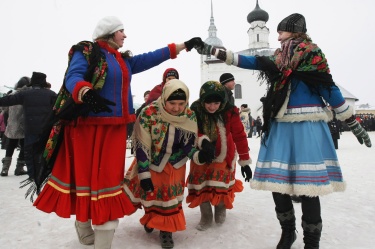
[
  {"x": 6, "y": 164},
  {"x": 220, "y": 213},
  {"x": 288, "y": 225},
  {"x": 311, "y": 234},
  {"x": 85, "y": 232},
  {"x": 166, "y": 240},
  {"x": 148, "y": 229},
  {"x": 104, "y": 234},
  {"x": 19, "y": 171},
  {"x": 206, "y": 216}
]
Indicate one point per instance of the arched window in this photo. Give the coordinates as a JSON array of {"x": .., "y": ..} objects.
[{"x": 238, "y": 91}]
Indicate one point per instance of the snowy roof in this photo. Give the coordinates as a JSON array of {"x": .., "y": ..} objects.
[{"x": 346, "y": 94}]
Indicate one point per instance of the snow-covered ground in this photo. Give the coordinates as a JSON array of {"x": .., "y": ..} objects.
[{"x": 348, "y": 217}]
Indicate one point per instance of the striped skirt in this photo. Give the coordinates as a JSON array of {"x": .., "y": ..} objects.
[
  {"x": 299, "y": 159},
  {"x": 163, "y": 206},
  {"x": 214, "y": 183}
]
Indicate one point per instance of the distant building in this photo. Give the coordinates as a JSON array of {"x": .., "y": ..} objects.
[{"x": 248, "y": 89}]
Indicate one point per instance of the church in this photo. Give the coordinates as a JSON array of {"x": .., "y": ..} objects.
[{"x": 248, "y": 90}]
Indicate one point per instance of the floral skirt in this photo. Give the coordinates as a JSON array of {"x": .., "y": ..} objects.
[
  {"x": 87, "y": 175},
  {"x": 214, "y": 183},
  {"x": 163, "y": 206},
  {"x": 299, "y": 159}
]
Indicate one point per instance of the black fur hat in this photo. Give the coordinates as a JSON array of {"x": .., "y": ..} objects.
[{"x": 38, "y": 79}]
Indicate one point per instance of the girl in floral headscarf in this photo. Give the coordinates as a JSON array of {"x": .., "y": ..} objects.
[
  {"x": 220, "y": 133},
  {"x": 164, "y": 137}
]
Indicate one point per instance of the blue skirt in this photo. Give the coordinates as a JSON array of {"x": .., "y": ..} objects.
[{"x": 298, "y": 159}]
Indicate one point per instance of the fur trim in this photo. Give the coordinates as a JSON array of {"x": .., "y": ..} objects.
[
  {"x": 173, "y": 50},
  {"x": 109, "y": 225},
  {"x": 77, "y": 89},
  {"x": 144, "y": 175},
  {"x": 200, "y": 140},
  {"x": 223, "y": 138},
  {"x": 306, "y": 114},
  {"x": 344, "y": 112},
  {"x": 299, "y": 189},
  {"x": 230, "y": 58},
  {"x": 244, "y": 162}
]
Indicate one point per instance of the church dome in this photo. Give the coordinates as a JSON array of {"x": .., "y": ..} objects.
[
  {"x": 257, "y": 15},
  {"x": 214, "y": 41}
]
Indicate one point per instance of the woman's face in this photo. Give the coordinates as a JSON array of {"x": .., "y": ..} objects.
[
  {"x": 175, "y": 107},
  {"x": 212, "y": 107},
  {"x": 119, "y": 38},
  {"x": 283, "y": 36}
]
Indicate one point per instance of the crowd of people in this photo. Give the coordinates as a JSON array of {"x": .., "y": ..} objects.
[{"x": 87, "y": 146}]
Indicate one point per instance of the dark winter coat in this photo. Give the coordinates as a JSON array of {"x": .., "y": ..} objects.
[{"x": 37, "y": 103}]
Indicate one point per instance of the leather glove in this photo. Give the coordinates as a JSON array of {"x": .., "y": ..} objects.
[
  {"x": 193, "y": 42},
  {"x": 146, "y": 185},
  {"x": 204, "y": 158},
  {"x": 246, "y": 173},
  {"x": 96, "y": 103},
  {"x": 204, "y": 49},
  {"x": 208, "y": 148},
  {"x": 358, "y": 131}
]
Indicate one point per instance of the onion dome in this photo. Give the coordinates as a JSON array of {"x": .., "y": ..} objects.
[{"x": 257, "y": 15}]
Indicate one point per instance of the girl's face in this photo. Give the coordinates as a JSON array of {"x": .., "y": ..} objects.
[
  {"x": 175, "y": 107},
  {"x": 212, "y": 107},
  {"x": 119, "y": 38},
  {"x": 283, "y": 36}
]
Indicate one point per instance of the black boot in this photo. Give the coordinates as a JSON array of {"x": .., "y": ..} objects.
[
  {"x": 7, "y": 161},
  {"x": 288, "y": 225},
  {"x": 311, "y": 234},
  {"x": 19, "y": 171}
]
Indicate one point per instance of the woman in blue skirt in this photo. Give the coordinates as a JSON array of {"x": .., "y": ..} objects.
[{"x": 297, "y": 155}]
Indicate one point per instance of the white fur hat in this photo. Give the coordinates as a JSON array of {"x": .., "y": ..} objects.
[{"x": 106, "y": 26}]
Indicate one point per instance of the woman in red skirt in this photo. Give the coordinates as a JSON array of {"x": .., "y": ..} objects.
[
  {"x": 220, "y": 133},
  {"x": 87, "y": 177}
]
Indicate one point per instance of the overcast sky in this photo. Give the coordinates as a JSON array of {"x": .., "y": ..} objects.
[{"x": 37, "y": 35}]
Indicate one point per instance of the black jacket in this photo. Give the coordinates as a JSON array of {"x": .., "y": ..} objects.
[{"x": 37, "y": 104}]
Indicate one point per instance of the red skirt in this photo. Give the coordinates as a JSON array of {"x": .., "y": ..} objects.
[
  {"x": 214, "y": 183},
  {"x": 163, "y": 206},
  {"x": 87, "y": 175}
]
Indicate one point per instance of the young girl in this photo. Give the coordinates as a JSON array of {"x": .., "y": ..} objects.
[
  {"x": 221, "y": 134},
  {"x": 297, "y": 156},
  {"x": 164, "y": 138}
]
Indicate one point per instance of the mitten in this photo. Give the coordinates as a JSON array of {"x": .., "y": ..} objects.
[
  {"x": 246, "y": 173},
  {"x": 204, "y": 158},
  {"x": 146, "y": 185},
  {"x": 193, "y": 42},
  {"x": 358, "y": 131},
  {"x": 209, "y": 148},
  {"x": 204, "y": 49},
  {"x": 96, "y": 103}
]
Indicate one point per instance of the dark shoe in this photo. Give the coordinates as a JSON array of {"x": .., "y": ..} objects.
[
  {"x": 311, "y": 234},
  {"x": 288, "y": 225},
  {"x": 166, "y": 240},
  {"x": 148, "y": 229}
]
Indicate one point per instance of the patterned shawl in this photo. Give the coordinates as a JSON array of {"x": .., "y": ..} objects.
[
  {"x": 151, "y": 127},
  {"x": 297, "y": 58}
]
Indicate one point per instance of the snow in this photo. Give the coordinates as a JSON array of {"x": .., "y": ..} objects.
[{"x": 348, "y": 217}]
